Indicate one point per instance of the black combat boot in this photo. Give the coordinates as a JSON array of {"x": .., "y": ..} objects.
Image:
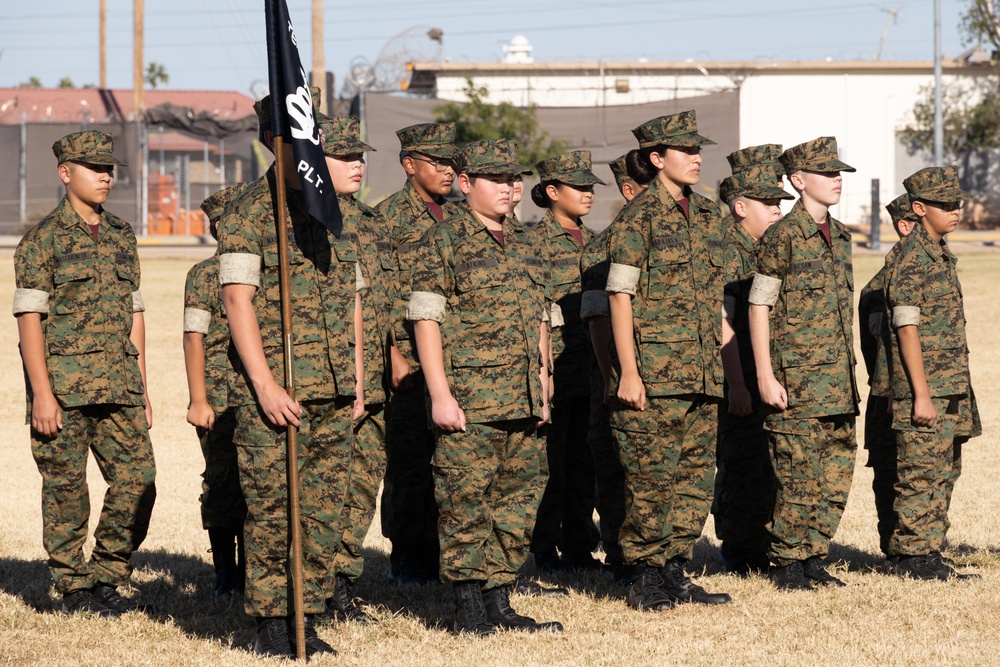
[
  {"x": 227, "y": 574},
  {"x": 314, "y": 645},
  {"x": 918, "y": 567},
  {"x": 815, "y": 572},
  {"x": 341, "y": 605},
  {"x": 470, "y": 612},
  {"x": 83, "y": 602},
  {"x": 646, "y": 592},
  {"x": 681, "y": 589},
  {"x": 938, "y": 563},
  {"x": 791, "y": 578},
  {"x": 500, "y": 613},
  {"x": 272, "y": 638}
]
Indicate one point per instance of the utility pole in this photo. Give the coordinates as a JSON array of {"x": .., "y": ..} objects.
[
  {"x": 138, "y": 83},
  {"x": 318, "y": 64},
  {"x": 138, "y": 78},
  {"x": 104, "y": 45},
  {"x": 938, "y": 115}
]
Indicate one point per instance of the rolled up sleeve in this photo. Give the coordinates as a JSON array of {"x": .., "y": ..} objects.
[
  {"x": 237, "y": 268},
  {"x": 30, "y": 301},
  {"x": 765, "y": 290},
  {"x": 426, "y": 306}
]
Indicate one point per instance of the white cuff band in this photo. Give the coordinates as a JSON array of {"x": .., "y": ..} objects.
[
  {"x": 623, "y": 278},
  {"x": 359, "y": 278},
  {"x": 197, "y": 320},
  {"x": 240, "y": 268},
  {"x": 426, "y": 306},
  {"x": 765, "y": 290},
  {"x": 30, "y": 301},
  {"x": 137, "y": 303},
  {"x": 904, "y": 316},
  {"x": 556, "y": 318}
]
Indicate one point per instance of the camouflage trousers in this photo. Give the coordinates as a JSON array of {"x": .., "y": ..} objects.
[
  {"x": 566, "y": 514},
  {"x": 324, "y": 453},
  {"x": 813, "y": 463},
  {"x": 608, "y": 474},
  {"x": 363, "y": 478},
  {"x": 222, "y": 503},
  {"x": 880, "y": 441},
  {"x": 488, "y": 481},
  {"x": 409, "y": 512},
  {"x": 744, "y": 485},
  {"x": 928, "y": 463},
  {"x": 668, "y": 453},
  {"x": 119, "y": 439}
]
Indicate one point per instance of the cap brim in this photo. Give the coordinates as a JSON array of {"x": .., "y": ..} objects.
[
  {"x": 944, "y": 195},
  {"x": 826, "y": 167},
  {"x": 578, "y": 178},
  {"x": 102, "y": 160},
  {"x": 443, "y": 152},
  {"x": 760, "y": 191},
  {"x": 351, "y": 148}
]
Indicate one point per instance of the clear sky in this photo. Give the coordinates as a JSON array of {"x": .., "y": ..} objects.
[{"x": 219, "y": 44}]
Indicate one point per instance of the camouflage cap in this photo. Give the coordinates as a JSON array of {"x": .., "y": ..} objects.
[
  {"x": 818, "y": 155},
  {"x": 342, "y": 136},
  {"x": 573, "y": 168},
  {"x": 900, "y": 209},
  {"x": 490, "y": 156},
  {"x": 679, "y": 129},
  {"x": 262, "y": 108},
  {"x": 752, "y": 156},
  {"x": 216, "y": 204},
  {"x": 433, "y": 139},
  {"x": 935, "y": 184},
  {"x": 620, "y": 171},
  {"x": 90, "y": 147},
  {"x": 758, "y": 182}
]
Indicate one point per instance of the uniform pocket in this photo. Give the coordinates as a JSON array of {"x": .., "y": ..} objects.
[{"x": 669, "y": 353}]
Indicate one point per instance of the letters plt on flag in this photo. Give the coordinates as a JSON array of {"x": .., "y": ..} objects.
[{"x": 292, "y": 116}]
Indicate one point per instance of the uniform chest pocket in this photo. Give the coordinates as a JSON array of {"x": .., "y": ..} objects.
[
  {"x": 75, "y": 287},
  {"x": 271, "y": 275},
  {"x": 478, "y": 284},
  {"x": 406, "y": 254},
  {"x": 806, "y": 298},
  {"x": 565, "y": 271},
  {"x": 669, "y": 268},
  {"x": 385, "y": 258},
  {"x": 346, "y": 250}
]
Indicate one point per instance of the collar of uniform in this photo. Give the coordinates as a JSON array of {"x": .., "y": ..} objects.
[
  {"x": 105, "y": 217},
  {"x": 657, "y": 187},
  {"x": 924, "y": 240},
  {"x": 742, "y": 237},
  {"x": 554, "y": 229},
  {"x": 417, "y": 203},
  {"x": 473, "y": 225},
  {"x": 808, "y": 227}
]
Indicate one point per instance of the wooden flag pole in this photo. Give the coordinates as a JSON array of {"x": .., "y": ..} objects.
[{"x": 292, "y": 456}]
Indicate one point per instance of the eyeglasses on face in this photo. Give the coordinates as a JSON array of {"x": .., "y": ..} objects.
[{"x": 438, "y": 163}]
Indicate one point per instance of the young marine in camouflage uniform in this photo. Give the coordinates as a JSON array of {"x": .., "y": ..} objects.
[
  {"x": 326, "y": 316},
  {"x": 744, "y": 482},
  {"x": 206, "y": 361},
  {"x": 479, "y": 308},
  {"x": 801, "y": 314},
  {"x": 345, "y": 161},
  {"x": 566, "y": 514},
  {"x": 933, "y": 410},
  {"x": 409, "y": 511},
  {"x": 665, "y": 281},
  {"x": 82, "y": 340},
  {"x": 880, "y": 439},
  {"x": 608, "y": 472}
]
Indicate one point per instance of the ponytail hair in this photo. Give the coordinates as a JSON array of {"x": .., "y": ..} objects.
[{"x": 539, "y": 196}]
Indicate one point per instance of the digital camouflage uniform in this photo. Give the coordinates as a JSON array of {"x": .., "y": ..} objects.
[
  {"x": 222, "y": 503},
  {"x": 922, "y": 289},
  {"x": 324, "y": 278},
  {"x": 671, "y": 266},
  {"x": 566, "y": 513},
  {"x": 367, "y": 460},
  {"x": 409, "y": 511},
  {"x": 809, "y": 288},
  {"x": 875, "y": 340},
  {"x": 86, "y": 291},
  {"x": 608, "y": 472},
  {"x": 744, "y": 481},
  {"x": 489, "y": 300}
]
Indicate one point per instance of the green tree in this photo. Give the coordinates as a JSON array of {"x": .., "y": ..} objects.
[
  {"x": 156, "y": 74},
  {"x": 66, "y": 82},
  {"x": 32, "y": 82},
  {"x": 477, "y": 119},
  {"x": 970, "y": 108}
]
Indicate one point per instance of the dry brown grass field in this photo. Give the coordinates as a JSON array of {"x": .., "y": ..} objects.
[{"x": 877, "y": 620}]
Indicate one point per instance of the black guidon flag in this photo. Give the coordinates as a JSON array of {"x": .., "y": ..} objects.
[{"x": 292, "y": 116}]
